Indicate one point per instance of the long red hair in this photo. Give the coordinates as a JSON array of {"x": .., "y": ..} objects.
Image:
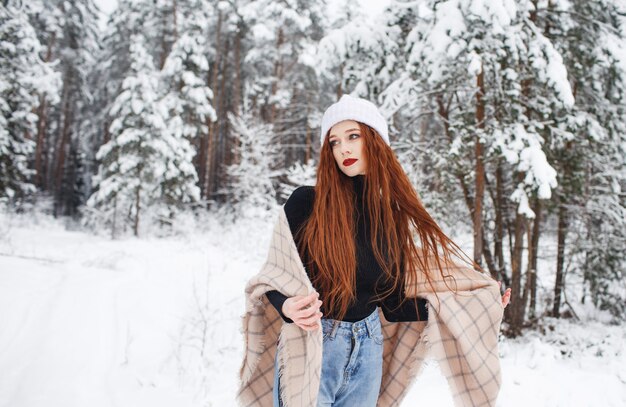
[{"x": 396, "y": 216}]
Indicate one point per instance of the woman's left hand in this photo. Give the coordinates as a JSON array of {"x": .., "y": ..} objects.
[{"x": 506, "y": 297}]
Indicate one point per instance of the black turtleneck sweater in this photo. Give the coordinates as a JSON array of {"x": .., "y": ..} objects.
[{"x": 298, "y": 208}]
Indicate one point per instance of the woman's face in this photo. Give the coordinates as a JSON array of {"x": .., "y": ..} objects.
[{"x": 346, "y": 142}]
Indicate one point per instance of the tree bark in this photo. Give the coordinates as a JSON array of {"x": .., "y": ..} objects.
[
  {"x": 516, "y": 309},
  {"x": 166, "y": 43},
  {"x": 114, "y": 222},
  {"x": 500, "y": 207},
  {"x": 309, "y": 144},
  {"x": 532, "y": 257},
  {"x": 443, "y": 112},
  {"x": 137, "y": 209},
  {"x": 489, "y": 258},
  {"x": 560, "y": 257},
  {"x": 205, "y": 182},
  {"x": 340, "y": 84},
  {"x": 237, "y": 92},
  {"x": 42, "y": 126},
  {"x": 222, "y": 131},
  {"x": 480, "y": 172},
  {"x": 67, "y": 117}
]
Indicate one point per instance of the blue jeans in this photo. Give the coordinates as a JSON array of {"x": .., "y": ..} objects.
[{"x": 352, "y": 363}]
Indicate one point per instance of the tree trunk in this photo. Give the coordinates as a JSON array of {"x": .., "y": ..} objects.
[
  {"x": 237, "y": 93},
  {"x": 221, "y": 133},
  {"x": 48, "y": 162},
  {"x": 114, "y": 217},
  {"x": 491, "y": 265},
  {"x": 340, "y": 84},
  {"x": 516, "y": 309},
  {"x": 491, "y": 262},
  {"x": 166, "y": 43},
  {"x": 137, "y": 209},
  {"x": 500, "y": 207},
  {"x": 560, "y": 259},
  {"x": 480, "y": 173},
  {"x": 532, "y": 257},
  {"x": 278, "y": 68},
  {"x": 205, "y": 182},
  {"x": 309, "y": 144},
  {"x": 63, "y": 139},
  {"x": 42, "y": 127},
  {"x": 42, "y": 114},
  {"x": 443, "y": 112},
  {"x": 65, "y": 136},
  {"x": 527, "y": 281}
]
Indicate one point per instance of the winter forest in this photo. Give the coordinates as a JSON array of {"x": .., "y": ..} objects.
[{"x": 145, "y": 152}]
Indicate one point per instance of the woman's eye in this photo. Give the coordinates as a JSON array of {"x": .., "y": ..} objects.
[{"x": 335, "y": 142}]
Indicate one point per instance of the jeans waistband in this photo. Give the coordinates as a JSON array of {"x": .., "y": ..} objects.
[{"x": 367, "y": 325}]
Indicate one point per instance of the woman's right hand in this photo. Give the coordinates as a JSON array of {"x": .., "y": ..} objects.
[{"x": 304, "y": 310}]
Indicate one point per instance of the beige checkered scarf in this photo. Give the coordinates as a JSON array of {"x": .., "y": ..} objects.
[{"x": 461, "y": 334}]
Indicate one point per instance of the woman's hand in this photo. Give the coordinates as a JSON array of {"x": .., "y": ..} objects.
[
  {"x": 304, "y": 311},
  {"x": 506, "y": 297}
]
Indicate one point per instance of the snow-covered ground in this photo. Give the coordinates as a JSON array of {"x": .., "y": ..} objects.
[{"x": 87, "y": 321}]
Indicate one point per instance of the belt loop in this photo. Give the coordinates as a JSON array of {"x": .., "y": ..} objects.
[{"x": 334, "y": 330}]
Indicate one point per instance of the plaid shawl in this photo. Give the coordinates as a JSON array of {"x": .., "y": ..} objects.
[{"x": 461, "y": 334}]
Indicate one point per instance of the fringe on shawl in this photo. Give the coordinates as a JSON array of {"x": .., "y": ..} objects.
[
  {"x": 244, "y": 377},
  {"x": 283, "y": 355},
  {"x": 258, "y": 302}
]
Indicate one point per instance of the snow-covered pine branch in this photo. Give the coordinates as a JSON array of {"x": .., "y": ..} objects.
[{"x": 144, "y": 165}]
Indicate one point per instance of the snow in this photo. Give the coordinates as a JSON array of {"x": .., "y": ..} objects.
[
  {"x": 548, "y": 63},
  {"x": 523, "y": 147},
  {"x": 595, "y": 363},
  {"x": 106, "y": 9},
  {"x": 131, "y": 322}
]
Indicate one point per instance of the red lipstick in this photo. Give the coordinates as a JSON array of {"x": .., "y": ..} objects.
[{"x": 349, "y": 161}]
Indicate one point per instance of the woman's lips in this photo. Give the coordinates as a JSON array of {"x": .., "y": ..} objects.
[{"x": 348, "y": 162}]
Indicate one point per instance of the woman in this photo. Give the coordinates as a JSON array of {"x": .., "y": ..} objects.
[{"x": 355, "y": 232}]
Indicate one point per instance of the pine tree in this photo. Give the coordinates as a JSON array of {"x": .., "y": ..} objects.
[
  {"x": 143, "y": 164},
  {"x": 113, "y": 61},
  {"x": 24, "y": 78},
  {"x": 359, "y": 54},
  {"x": 70, "y": 35},
  {"x": 188, "y": 98},
  {"x": 77, "y": 46},
  {"x": 591, "y": 159},
  {"x": 497, "y": 87}
]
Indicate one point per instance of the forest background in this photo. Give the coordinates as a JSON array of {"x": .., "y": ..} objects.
[{"x": 164, "y": 117}]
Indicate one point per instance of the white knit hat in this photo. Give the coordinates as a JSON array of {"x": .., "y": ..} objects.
[{"x": 354, "y": 108}]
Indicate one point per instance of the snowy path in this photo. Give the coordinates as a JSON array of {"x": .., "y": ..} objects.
[
  {"x": 155, "y": 322},
  {"x": 92, "y": 327},
  {"x": 75, "y": 319}
]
